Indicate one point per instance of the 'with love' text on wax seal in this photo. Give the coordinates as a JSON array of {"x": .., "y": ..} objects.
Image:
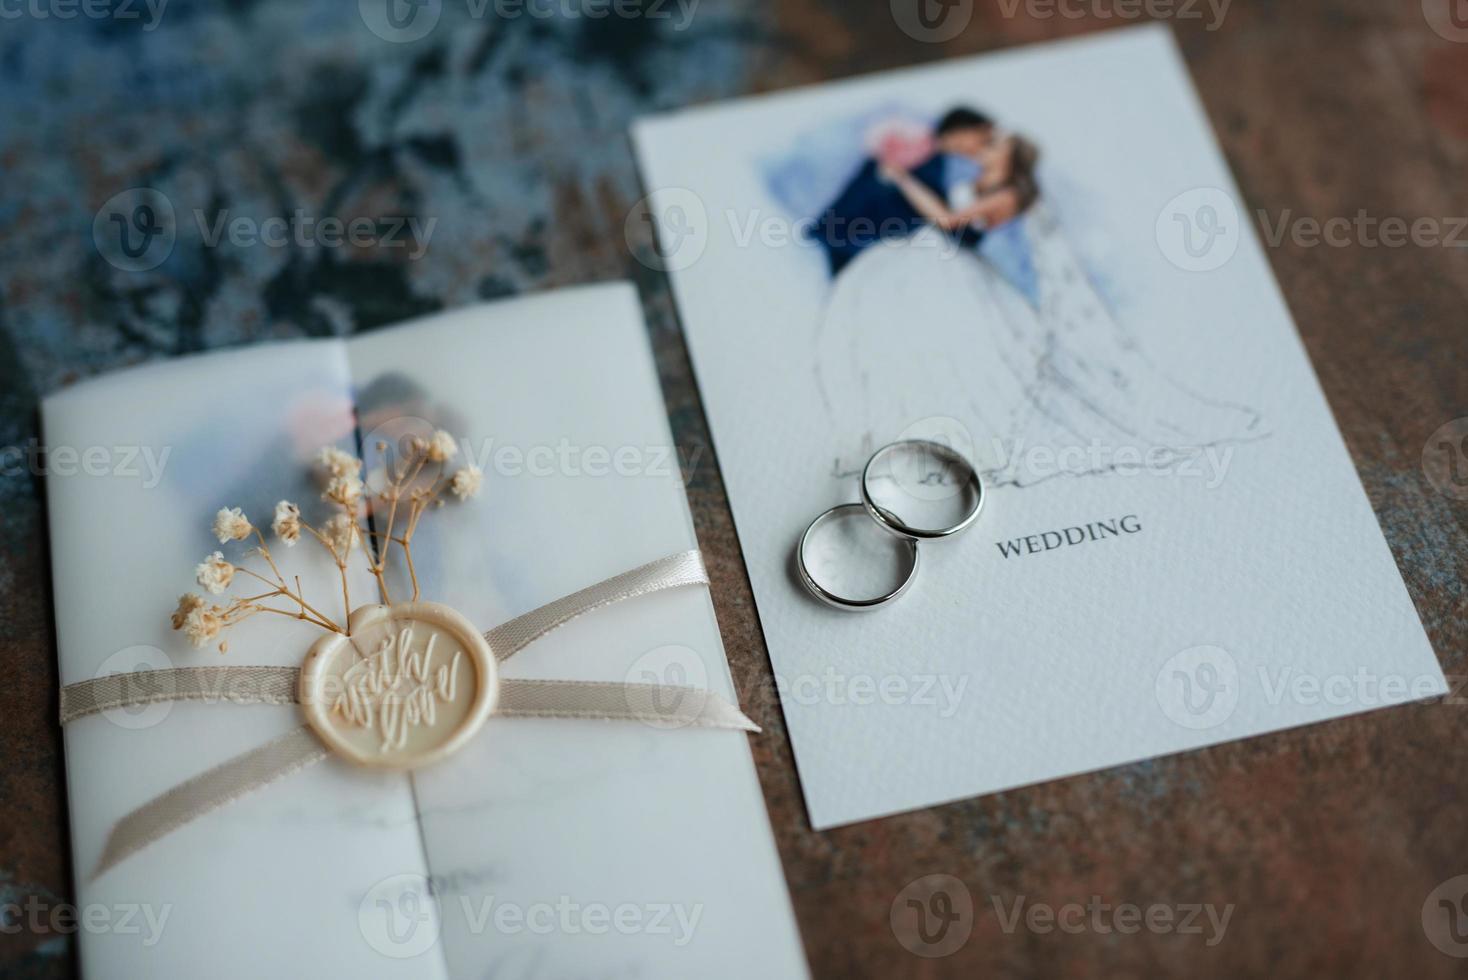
[{"x": 410, "y": 684}]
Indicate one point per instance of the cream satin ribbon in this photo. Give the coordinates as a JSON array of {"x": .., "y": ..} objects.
[{"x": 664, "y": 705}]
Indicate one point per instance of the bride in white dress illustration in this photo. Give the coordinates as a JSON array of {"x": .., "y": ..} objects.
[{"x": 917, "y": 322}]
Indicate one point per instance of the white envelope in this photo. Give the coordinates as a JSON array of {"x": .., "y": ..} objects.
[{"x": 553, "y": 848}]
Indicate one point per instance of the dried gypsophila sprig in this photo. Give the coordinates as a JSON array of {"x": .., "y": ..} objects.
[{"x": 409, "y": 488}]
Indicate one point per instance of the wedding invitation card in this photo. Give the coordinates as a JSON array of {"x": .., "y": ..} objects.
[
  {"x": 1039, "y": 258},
  {"x": 546, "y": 846}
]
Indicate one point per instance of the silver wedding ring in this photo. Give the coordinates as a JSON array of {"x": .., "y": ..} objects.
[
  {"x": 907, "y": 534},
  {"x": 834, "y": 599},
  {"x": 891, "y": 522}
]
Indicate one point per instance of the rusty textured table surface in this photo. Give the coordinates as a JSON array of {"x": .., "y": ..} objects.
[{"x": 1326, "y": 841}]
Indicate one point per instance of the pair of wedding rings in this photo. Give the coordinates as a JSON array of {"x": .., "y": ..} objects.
[{"x": 889, "y": 520}]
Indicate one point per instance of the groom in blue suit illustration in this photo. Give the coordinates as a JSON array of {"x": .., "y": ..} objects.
[{"x": 871, "y": 209}]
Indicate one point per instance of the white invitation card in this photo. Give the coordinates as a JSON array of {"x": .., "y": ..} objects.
[{"x": 1039, "y": 258}]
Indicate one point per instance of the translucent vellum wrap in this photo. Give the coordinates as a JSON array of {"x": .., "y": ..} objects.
[{"x": 553, "y": 847}]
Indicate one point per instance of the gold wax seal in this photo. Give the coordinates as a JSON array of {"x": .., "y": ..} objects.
[{"x": 412, "y": 683}]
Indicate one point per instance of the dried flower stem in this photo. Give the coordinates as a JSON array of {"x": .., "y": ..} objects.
[
  {"x": 316, "y": 616},
  {"x": 341, "y": 563},
  {"x": 420, "y": 503},
  {"x": 298, "y": 595},
  {"x": 296, "y": 615},
  {"x": 402, "y": 480},
  {"x": 341, "y": 566}
]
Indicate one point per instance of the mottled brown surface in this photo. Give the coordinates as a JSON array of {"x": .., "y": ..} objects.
[{"x": 1326, "y": 840}]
